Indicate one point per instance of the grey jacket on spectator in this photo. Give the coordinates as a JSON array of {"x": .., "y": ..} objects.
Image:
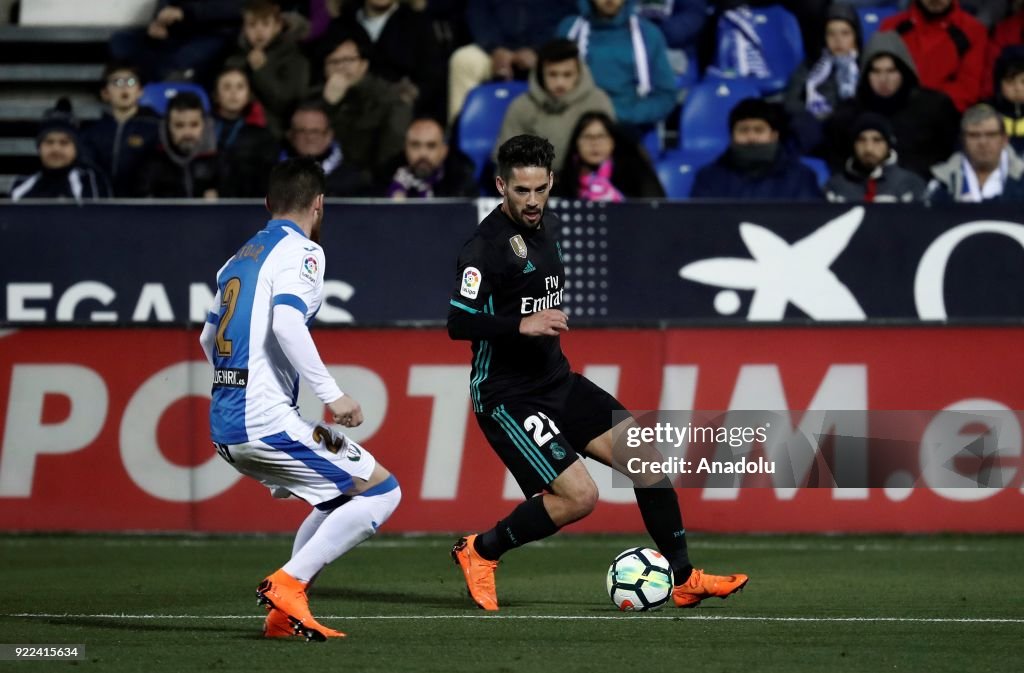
[{"x": 890, "y": 182}]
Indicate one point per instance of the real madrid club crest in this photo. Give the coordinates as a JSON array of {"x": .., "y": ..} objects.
[{"x": 518, "y": 246}]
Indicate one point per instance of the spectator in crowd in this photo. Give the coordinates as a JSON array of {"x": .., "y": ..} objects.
[
  {"x": 756, "y": 165},
  {"x": 402, "y": 49},
  {"x": 505, "y": 36},
  {"x": 186, "y": 164},
  {"x": 561, "y": 89},
  {"x": 1009, "y": 94},
  {"x": 627, "y": 56},
  {"x": 987, "y": 169},
  {"x": 429, "y": 168},
  {"x": 310, "y": 135},
  {"x": 247, "y": 148},
  {"x": 925, "y": 121},
  {"x": 816, "y": 87},
  {"x": 368, "y": 117},
  {"x": 949, "y": 47},
  {"x": 681, "y": 22},
  {"x": 186, "y": 40},
  {"x": 120, "y": 141},
  {"x": 62, "y": 175},
  {"x": 605, "y": 164},
  {"x": 1008, "y": 33},
  {"x": 269, "y": 53},
  {"x": 871, "y": 174}
]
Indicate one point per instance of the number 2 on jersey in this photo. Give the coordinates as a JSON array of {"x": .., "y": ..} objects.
[
  {"x": 535, "y": 425},
  {"x": 228, "y": 300}
]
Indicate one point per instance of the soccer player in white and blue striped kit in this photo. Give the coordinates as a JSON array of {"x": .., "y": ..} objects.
[{"x": 257, "y": 338}]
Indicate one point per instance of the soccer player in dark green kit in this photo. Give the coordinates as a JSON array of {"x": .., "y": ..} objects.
[{"x": 538, "y": 415}]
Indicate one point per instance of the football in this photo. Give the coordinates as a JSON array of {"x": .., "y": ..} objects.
[{"x": 639, "y": 579}]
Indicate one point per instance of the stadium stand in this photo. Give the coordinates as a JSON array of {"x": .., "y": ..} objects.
[
  {"x": 481, "y": 117},
  {"x": 704, "y": 120}
]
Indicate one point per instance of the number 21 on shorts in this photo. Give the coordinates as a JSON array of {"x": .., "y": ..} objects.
[{"x": 536, "y": 423}]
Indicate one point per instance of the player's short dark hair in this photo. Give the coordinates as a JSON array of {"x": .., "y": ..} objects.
[
  {"x": 523, "y": 151},
  {"x": 185, "y": 100},
  {"x": 294, "y": 184}
]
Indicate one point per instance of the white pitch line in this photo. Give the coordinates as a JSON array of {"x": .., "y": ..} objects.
[{"x": 695, "y": 618}]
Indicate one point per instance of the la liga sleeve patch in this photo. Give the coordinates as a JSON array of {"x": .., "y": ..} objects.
[
  {"x": 471, "y": 279},
  {"x": 309, "y": 271}
]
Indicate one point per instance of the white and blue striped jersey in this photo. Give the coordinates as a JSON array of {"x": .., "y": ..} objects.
[{"x": 255, "y": 386}]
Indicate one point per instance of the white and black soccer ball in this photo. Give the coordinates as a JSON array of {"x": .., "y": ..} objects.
[{"x": 639, "y": 579}]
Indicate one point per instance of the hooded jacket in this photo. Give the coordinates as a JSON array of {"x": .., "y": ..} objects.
[
  {"x": 169, "y": 174},
  {"x": 925, "y": 122},
  {"x": 642, "y": 94},
  {"x": 121, "y": 148},
  {"x": 948, "y": 182},
  {"x": 950, "y": 50},
  {"x": 539, "y": 113}
]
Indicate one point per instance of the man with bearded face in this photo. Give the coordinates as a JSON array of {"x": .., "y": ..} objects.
[
  {"x": 871, "y": 174},
  {"x": 430, "y": 168},
  {"x": 539, "y": 416},
  {"x": 756, "y": 165},
  {"x": 257, "y": 338},
  {"x": 186, "y": 165}
]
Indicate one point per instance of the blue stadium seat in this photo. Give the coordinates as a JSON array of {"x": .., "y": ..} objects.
[
  {"x": 819, "y": 167},
  {"x": 871, "y": 19},
  {"x": 481, "y": 117},
  {"x": 651, "y": 142},
  {"x": 157, "y": 94},
  {"x": 782, "y": 47},
  {"x": 704, "y": 120},
  {"x": 677, "y": 169}
]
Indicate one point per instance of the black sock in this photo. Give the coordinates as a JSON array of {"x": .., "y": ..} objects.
[
  {"x": 659, "y": 507},
  {"x": 528, "y": 522}
]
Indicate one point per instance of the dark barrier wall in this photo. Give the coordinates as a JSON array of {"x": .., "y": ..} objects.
[{"x": 640, "y": 264}]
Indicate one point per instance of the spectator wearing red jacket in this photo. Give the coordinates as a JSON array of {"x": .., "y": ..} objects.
[{"x": 949, "y": 47}]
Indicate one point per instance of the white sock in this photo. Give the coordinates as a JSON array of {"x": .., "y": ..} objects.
[
  {"x": 340, "y": 531},
  {"x": 308, "y": 528}
]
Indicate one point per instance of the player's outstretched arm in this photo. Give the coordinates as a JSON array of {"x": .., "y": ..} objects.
[{"x": 549, "y": 322}]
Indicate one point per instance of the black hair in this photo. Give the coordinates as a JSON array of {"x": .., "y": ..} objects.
[
  {"x": 555, "y": 51},
  {"x": 185, "y": 100},
  {"x": 294, "y": 184},
  {"x": 756, "y": 108},
  {"x": 524, "y": 151},
  {"x": 117, "y": 65}
]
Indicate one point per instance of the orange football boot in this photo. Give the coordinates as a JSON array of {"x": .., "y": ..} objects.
[
  {"x": 277, "y": 625},
  {"x": 702, "y": 585},
  {"x": 288, "y": 595},
  {"x": 479, "y": 573}
]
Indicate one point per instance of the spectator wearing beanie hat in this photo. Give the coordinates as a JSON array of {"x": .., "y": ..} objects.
[
  {"x": 819, "y": 86},
  {"x": 62, "y": 176},
  {"x": 756, "y": 166},
  {"x": 871, "y": 174}
]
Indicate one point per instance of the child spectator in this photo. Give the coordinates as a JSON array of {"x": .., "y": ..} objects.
[
  {"x": 126, "y": 134},
  {"x": 277, "y": 69},
  {"x": 605, "y": 164},
  {"x": 247, "y": 148},
  {"x": 62, "y": 176}
]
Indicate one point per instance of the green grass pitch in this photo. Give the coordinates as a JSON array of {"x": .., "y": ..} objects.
[{"x": 848, "y": 603}]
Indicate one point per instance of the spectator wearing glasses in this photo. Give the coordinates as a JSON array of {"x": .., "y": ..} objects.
[
  {"x": 986, "y": 170},
  {"x": 119, "y": 142},
  {"x": 367, "y": 115},
  {"x": 310, "y": 135}
]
